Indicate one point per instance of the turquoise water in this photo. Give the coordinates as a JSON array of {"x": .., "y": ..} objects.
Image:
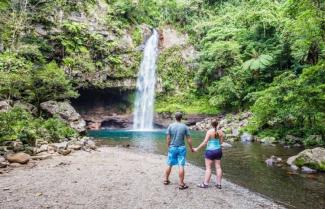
[{"x": 242, "y": 164}]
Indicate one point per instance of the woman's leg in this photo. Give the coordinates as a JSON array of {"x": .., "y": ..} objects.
[
  {"x": 218, "y": 171},
  {"x": 207, "y": 177}
]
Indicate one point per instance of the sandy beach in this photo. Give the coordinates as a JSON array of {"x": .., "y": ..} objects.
[{"x": 115, "y": 177}]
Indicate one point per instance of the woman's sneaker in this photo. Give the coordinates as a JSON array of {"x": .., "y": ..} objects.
[{"x": 218, "y": 186}]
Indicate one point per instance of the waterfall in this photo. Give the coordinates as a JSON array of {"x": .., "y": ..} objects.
[{"x": 145, "y": 95}]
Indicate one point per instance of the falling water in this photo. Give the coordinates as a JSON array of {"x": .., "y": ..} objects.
[{"x": 144, "y": 102}]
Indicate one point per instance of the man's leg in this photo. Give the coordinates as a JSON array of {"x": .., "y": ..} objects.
[
  {"x": 181, "y": 174},
  {"x": 181, "y": 163},
  {"x": 167, "y": 172}
]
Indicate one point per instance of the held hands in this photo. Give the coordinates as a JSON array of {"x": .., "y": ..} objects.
[{"x": 194, "y": 149}]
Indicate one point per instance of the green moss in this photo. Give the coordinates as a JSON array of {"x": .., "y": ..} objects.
[
  {"x": 137, "y": 37},
  {"x": 301, "y": 161}
]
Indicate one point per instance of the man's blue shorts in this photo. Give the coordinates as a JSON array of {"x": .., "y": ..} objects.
[{"x": 176, "y": 155}]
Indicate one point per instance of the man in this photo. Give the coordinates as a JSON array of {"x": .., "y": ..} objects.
[{"x": 176, "y": 134}]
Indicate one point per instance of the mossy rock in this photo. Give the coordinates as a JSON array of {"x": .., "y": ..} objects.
[{"x": 312, "y": 158}]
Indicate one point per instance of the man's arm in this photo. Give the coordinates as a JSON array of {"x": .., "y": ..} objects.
[
  {"x": 168, "y": 140},
  {"x": 189, "y": 141}
]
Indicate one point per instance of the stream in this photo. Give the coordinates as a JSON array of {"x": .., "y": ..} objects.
[{"x": 242, "y": 164}]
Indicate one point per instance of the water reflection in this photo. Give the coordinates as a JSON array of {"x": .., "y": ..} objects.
[{"x": 242, "y": 164}]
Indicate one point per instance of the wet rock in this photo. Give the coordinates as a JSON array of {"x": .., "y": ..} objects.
[
  {"x": 226, "y": 145},
  {"x": 273, "y": 160},
  {"x": 64, "y": 151},
  {"x": 268, "y": 140},
  {"x": 5, "y": 105},
  {"x": 305, "y": 169},
  {"x": 294, "y": 167},
  {"x": 246, "y": 137},
  {"x": 67, "y": 113},
  {"x": 20, "y": 157},
  {"x": 314, "y": 158}
]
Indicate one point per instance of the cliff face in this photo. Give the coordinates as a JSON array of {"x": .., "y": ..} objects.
[{"x": 92, "y": 49}]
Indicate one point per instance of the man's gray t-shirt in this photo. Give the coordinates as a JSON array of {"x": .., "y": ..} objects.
[{"x": 177, "y": 132}]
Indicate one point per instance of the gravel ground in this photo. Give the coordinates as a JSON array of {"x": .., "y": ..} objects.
[{"x": 114, "y": 177}]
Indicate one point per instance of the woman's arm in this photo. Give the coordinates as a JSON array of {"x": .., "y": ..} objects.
[
  {"x": 205, "y": 141},
  {"x": 221, "y": 136}
]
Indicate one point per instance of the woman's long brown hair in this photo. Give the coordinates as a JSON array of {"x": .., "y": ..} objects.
[{"x": 214, "y": 124}]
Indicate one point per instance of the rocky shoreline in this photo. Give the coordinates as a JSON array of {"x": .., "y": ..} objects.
[
  {"x": 14, "y": 154},
  {"x": 102, "y": 179}
]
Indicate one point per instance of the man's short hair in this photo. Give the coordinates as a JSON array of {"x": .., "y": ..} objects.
[{"x": 178, "y": 116}]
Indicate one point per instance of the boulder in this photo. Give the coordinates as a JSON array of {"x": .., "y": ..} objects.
[
  {"x": 5, "y": 105},
  {"x": 246, "y": 137},
  {"x": 19, "y": 157},
  {"x": 311, "y": 158},
  {"x": 268, "y": 140},
  {"x": 2, "y": 159},
  {"x": 66, "y": 112}
]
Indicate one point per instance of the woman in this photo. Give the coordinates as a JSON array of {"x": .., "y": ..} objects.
[{"x": 213, "y": 154}]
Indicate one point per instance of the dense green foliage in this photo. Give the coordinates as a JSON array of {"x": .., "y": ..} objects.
[
  {"x": 259, "y": 55},
  {"x": 19, "y": 124}
]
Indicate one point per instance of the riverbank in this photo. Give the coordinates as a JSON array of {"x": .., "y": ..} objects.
[{"x": 115, "y": 177}]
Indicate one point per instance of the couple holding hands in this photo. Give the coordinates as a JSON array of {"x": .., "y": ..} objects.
[{"x": 176, "y": 134}]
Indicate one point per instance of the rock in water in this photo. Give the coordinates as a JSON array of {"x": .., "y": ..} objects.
[
  {"x": 305, "y": 169},
  {"x": 246, "y": 137},
  {"x": 268, "y": 140},
  {"x": 67, "y": 113},
  {"x": 225, "y": 144},
  {"x": 314, "y": 158},
  {"x": 20, "y": 157},
  {"x": 273, "y": 160}
]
